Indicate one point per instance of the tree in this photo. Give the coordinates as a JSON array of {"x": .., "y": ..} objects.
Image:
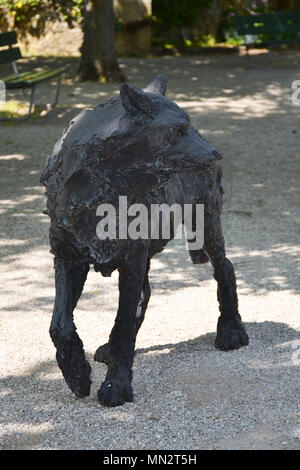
[
  {"x": 98, "y": 51},
  {"x": 99, "y": 57}
]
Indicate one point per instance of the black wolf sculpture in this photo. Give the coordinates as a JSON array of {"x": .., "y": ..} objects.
[{"x": 140, "y": 145}]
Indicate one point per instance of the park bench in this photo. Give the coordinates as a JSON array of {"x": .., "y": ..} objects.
[
  {"x": 268, "y": 30},
  {"x": 26, "y": 81}
]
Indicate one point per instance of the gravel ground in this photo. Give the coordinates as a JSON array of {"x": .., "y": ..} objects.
[{"x": 187, "y": 394}]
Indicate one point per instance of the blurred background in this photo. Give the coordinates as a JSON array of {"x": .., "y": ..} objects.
[{"x": 140, "y": 27}]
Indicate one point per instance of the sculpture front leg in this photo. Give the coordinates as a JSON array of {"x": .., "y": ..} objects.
[
  {"x": 103, "y": 352},
  {"x": 117, "y": 389},
  {"x": 69, "y": 280}
]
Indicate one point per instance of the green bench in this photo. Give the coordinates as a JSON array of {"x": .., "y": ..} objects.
[
  {"x": 281, "y": 28},
  {"x": 26, "y": 81}
]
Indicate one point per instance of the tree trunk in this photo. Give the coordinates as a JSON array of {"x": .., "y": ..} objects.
[{"x": 98, "y": 51}]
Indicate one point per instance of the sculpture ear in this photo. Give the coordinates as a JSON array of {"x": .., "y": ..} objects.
[
  {"x": 133, "y": 99},
  {"x": 158, "y": 85}
]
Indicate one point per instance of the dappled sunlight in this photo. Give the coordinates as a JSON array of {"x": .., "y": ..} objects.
[
  {"x": 8, "y": 242},
  {"x": 12, "y": 157},
  {"x": 120, "y": 415},
  {"x": 224, "y": 106},
  {"x": 254, "y": 106}
]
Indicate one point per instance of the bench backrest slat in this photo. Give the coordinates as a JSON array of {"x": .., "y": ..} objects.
[
  {"x": 7, "y": 39},
  {"x": 10, "y": 55},
  {"x": 268, "y": 23}
]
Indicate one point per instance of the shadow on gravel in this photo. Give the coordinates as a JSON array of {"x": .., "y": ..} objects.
[
  {"x": 44, "y": 402},
  {"x": 266, "y": 332}
]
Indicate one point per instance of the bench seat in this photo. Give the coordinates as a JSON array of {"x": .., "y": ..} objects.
[{"x": 28, "y": 79}]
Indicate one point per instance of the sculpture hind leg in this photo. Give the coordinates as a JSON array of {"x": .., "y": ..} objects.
[
  {"x": 198, "y": 256},
  {"x": 230, "y": 330},
  {"x": 70, "y": 276},
  {"x": 144, "y": 300},
  {"x": 103, "y": 352}
]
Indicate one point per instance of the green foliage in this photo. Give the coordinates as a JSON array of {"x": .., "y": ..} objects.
[
  {"x": 31, "y": 15},
  {"x": 178, "y": 13}
]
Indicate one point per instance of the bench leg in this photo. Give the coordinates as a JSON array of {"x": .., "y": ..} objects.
[
  {"x": 248, "y": 56},
  {"x": 57, "y": 93},
  {"x": 31, "y": 102},
  {"x": 30, "y": 109},
  {"x": 269, "y": 55}
]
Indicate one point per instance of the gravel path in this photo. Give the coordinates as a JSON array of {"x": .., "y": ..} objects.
[{"x": 187, "y": 394}]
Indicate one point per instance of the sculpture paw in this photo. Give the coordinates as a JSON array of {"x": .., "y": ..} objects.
[
  {"x": 231, "y": 334},
  {"x": 102, "y": 354},
  {"x": 79, "y": 379},
  {"x": 71, "y": 360},
  {"x": 115, "y": 392}
]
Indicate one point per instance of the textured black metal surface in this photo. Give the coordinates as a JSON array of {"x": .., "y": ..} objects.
[{"x": 143, "y": 146}]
